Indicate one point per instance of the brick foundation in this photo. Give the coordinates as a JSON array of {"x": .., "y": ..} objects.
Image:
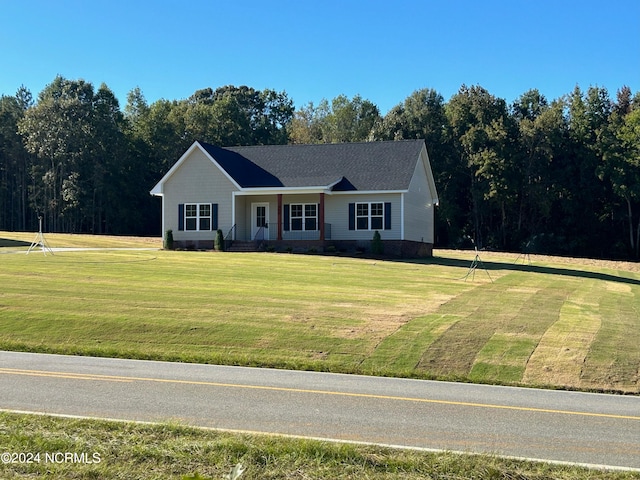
[
  {"x": 392, "y": 248},
  {"x": 193, "y": 244}
]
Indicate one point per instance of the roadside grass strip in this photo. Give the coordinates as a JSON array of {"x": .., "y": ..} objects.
[{"x": 118, "y": 450}]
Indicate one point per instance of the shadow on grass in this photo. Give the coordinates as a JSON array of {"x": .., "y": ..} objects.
[
  {"x": 6, "y": 242},
  {"x": 492, "y": 265}
]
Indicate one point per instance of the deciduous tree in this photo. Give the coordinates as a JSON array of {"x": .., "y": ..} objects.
[
  {"x": 481, "y": 130},
  {"x": 15, "y": 162},
  {"x": 342, "y": 120}
]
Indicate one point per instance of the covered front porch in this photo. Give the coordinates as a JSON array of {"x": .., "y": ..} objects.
[{"x": 294, "y": 216}]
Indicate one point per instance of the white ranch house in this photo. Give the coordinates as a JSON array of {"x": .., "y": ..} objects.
[{"x": 303, "y": 196}]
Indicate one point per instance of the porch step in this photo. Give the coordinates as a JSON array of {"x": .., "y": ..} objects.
[{"x": 238, "y": 246}]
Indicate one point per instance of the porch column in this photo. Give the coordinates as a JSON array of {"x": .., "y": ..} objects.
[
  {"x": 321, "y": 216},
  {"x": 279, "y": 216}
]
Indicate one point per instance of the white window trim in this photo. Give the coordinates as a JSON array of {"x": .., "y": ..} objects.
[
  {"x": 304, "y": 217},
  {"x": 198, "y": 217},
  {"x": 369, "y": 217}
]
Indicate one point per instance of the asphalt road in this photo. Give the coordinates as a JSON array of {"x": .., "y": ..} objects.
[{"x": 582, "y": 428}]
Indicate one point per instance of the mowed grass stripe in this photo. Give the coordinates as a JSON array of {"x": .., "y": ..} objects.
[
  {"x": 504, "y": 307},
  {"x": 506, "y": 354},
  {"x": 614, "y": 353},
  {"x": 405, "y": 347},
  {"x": 560, "y": 356}
]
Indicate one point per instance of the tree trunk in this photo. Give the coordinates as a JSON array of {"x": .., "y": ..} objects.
[
  {"x": 632, "y": 241},
  {"x": 504, "y": 224},
  {"x": 637, "y": 252}
]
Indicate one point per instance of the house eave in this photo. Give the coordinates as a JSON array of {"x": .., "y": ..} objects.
[
  {"x": 315, "y": 189},
  {"x": 424, "y": 157},
  {"x": 283, "y": 190},
  {"x": 288, "y": 190},
  {"x": 158, "y": 188},
  {"x": 368, "y": 192}
]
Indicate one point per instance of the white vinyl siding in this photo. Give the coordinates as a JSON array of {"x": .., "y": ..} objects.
[
  {"x": 337, "y": 214},
  {"x": 418, "y": 208},
  {"x": 197, "y": 181}
]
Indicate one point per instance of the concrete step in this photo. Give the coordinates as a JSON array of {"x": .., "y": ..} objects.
[{"x": 238, "y": 246}]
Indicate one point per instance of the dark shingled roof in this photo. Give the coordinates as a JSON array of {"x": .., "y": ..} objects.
[{"x": 353, "y": 166}]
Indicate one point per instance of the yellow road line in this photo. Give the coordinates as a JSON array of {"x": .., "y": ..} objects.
[
  {"x": 74, "y": 376},
  {"x": 117, "y": 378}
]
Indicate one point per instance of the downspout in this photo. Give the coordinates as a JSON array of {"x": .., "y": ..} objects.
[
  {"x": 279, "y": 216},
  {"x": 164, "y": 228},
  {"x": 233, "y": 214},
  {"x": 402, "y": 216}
]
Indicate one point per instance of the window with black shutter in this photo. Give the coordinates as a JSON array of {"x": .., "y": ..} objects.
[{"x": 370, "y": 216}]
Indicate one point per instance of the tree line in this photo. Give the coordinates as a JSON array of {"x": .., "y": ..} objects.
[{"x": 557, "y": 176}]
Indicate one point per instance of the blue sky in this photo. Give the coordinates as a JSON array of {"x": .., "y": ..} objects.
[{"x": 381, "y": 50}]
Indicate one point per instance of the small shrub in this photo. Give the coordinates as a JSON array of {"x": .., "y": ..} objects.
[
  {"x": 218, "y": 244},
  {"x": 168, "y": 240},
  {"x": 377, "y": 247}
]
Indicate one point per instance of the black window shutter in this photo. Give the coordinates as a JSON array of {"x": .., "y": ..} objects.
[
  {"x": 387, "y": 216},
  {"x": 352, "y": 216},
  {"x": 181, "y": 216},
  {"x": 286, "y": 218},
  {"x": 214, "y": 214}
]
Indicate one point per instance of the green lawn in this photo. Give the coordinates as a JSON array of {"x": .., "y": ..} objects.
[
  {"x": 16, "y": 241},
  {"x": 556, "y": 323}
]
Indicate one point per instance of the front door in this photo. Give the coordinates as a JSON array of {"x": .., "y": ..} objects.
[{"x": 259, "y": 221}]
